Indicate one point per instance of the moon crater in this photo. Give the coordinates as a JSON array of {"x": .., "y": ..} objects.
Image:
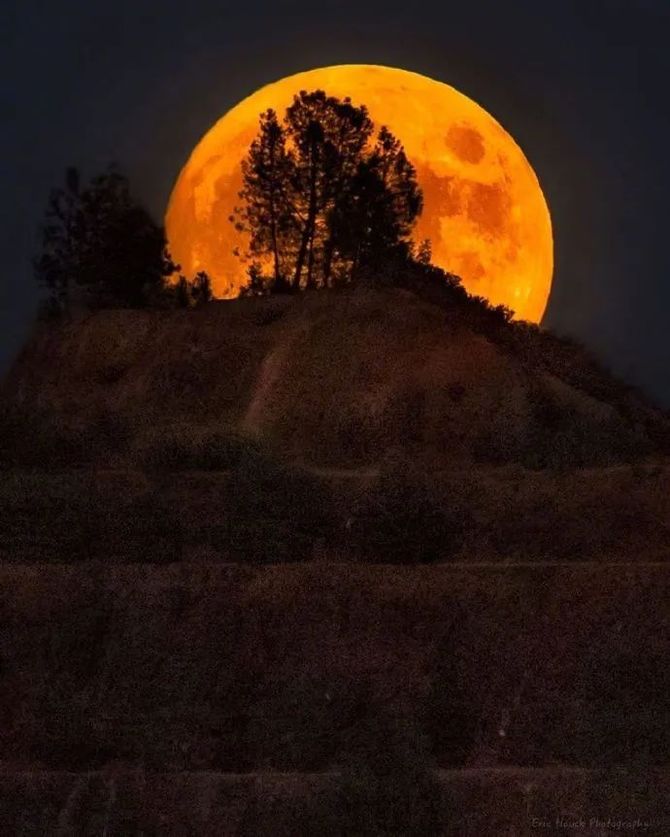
[{"x": 466, "y": 143}]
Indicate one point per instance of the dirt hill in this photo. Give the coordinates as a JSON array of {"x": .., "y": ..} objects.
[
  {"x": 359, "y": 562},
  {"x": 338, "y": 379}
]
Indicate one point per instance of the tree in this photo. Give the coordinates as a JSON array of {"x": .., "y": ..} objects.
[
  {"x": 320, "y": 198},
  {"x": 397, "y": 201},
  {"x": 257, "y": 284},
  {"x": 182, "y": 293},
  {"x": 101, "y": 241},
  {"x": 424, "y": 253},
  {"x": 330, "y": 137},
  {"x": 266, "y": 212},
  {"x": 193, "y": 293},
  {"x": 375, "y": 215},
  {"x": 201, "y": 289}
]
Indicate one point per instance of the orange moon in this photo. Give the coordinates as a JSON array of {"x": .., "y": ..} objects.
[{"x": 484, "y": 211}]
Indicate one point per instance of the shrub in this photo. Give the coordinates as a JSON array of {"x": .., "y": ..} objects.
[
  {"x": 560, "y": 436},
  {"x": 402, "y": 520},
  {"x": 266, "y": 311},
  {"x": 499, "y": 442},
  {"x": 185, "y": 447},
  {"x": 38, "y": 438},
  {"x": 356, "y": 438},
  {"x": 275, "y": 512},
  {"x": 147, "y": 529}
]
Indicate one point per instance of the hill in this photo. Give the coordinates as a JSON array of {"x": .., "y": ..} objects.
[
  {"x": 335, "y": 379},
  {"x": 246, "y": 692},
  {"x": 353, "y": 562}
]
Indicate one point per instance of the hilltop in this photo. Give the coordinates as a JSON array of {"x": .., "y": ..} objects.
[{"x": 337, "y": 379}]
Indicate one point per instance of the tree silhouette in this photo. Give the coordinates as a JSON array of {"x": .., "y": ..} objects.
[
  {"x": 377, "y": 213},
  {"x": 266, "y": 215},
  {"x": 182, "y": 293},
  {"x": 257, "y": 284},
  {"x": 320, "y": 198},
  {"x": 99, "y": 241},
  {"x": 424, "y": 253},
  {"x": 201, "y": 289},
  {"x": 193, "y": 293},
  {"x": 329, "y": 137}
]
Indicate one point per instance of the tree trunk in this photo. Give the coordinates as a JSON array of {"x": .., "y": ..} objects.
[
  {"x": 328, "y": 249},
  {"x": 275, "y": 245},
  {"x": 302, "y": 252},
  {"x": 273, "y": 212},
  {"x": 308, "y": 229},
  {"x": 311, "y": 283}
]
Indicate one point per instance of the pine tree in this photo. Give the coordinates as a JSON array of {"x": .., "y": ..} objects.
[
  {"x": 201, "y": 289},
  {"x": 330, "y": 136},
  {"x": 266, "y": 212},
  {"x": 59, "y": 256},
  {"x": 375, "y": 215},
  {"x": 424, "y": 253},
  {"x": 404, "y": 198},
  {"x": 321, "y": 196},
  {"x": 100, "y": 240},
  {"x": 182, "y": 293}
]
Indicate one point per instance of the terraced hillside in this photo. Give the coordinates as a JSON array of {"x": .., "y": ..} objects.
[{"x": 341, "y": 564}]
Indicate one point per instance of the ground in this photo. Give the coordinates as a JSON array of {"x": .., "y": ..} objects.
[{"x": 279, "y": 560}]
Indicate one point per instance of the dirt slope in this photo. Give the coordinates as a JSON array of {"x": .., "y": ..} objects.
[
  {"x": 240, "y": 668},
  {"x": 332, "y": 378},
  {"x": 271, "y": 560}
]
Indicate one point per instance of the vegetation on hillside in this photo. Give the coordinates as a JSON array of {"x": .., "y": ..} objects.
[
  {"x": 98, "y": 241},
  {"x": 371, "y": 677},
  {"x": 401, "y": 519},
  {"x": 262, "y": 511},
  {"x": 379, "y": 673},
  {"x": 101, "y": 248},
  {"x": 326, "y": 200}
]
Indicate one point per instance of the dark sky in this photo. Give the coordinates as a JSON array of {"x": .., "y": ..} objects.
[{"x": 582, "y": 87}]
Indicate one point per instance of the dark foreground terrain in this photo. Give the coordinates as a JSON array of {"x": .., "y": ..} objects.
[{"x": 336, "y": 565}]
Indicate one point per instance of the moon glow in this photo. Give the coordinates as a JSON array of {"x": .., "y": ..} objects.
[{"x": 484, "y": 210}]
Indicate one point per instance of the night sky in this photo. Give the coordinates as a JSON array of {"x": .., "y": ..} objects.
[{"x": 581, "y": 86}]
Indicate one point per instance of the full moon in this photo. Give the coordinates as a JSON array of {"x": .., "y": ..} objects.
[{"x": 484, "y": 211}]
